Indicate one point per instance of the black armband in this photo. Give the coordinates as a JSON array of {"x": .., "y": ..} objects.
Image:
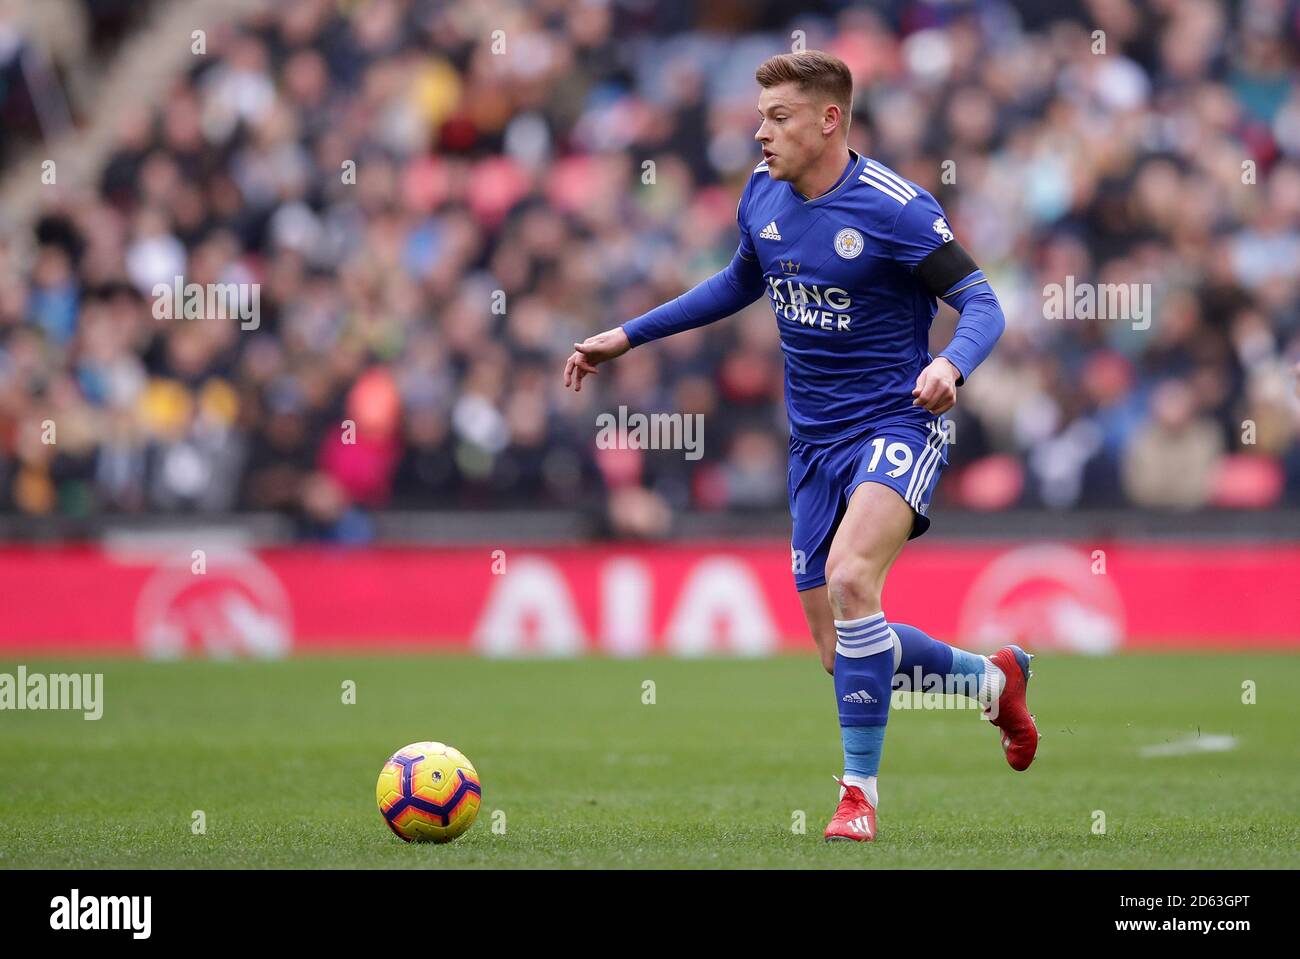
[{"x": 944, "y": 267}]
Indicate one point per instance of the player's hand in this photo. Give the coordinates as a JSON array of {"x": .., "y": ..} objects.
[
  {"x": 936, "y": 387},
  {"x": 592, "y": 351}
]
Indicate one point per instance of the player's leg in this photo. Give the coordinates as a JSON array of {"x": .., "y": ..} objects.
[
  {"x": 821, "y": 623},
  {"x": 876, "y": 524},
  {"x": 921, "y": 663},
  {"x": 926, "y": 664},
  {"x": 997, "y": 682},
  {"x": 907, "y": 459},
  {"x": 817, "y": 479}
]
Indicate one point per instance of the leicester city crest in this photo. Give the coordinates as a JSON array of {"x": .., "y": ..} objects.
[{"x": 848, "y": 243}]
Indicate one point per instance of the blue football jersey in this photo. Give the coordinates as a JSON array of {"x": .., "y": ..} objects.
[{"x": 854, "y": 317}]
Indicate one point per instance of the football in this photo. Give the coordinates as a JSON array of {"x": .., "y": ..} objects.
[{"x": 428, "y": 792}]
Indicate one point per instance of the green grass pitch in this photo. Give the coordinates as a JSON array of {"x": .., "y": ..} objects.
[{"x": 717, "y": 772}]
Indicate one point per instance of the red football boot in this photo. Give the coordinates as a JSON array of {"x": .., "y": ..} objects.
[
  {"x": 1019, "y": 731},
  {"x": 855, "y": 817}
]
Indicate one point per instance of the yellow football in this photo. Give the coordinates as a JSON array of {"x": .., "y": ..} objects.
[{"x": 428, "y": 792}]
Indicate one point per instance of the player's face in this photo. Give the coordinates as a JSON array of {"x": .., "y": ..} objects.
[{"x": 790, "y": 130}]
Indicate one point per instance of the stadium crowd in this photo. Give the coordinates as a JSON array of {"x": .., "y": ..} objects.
[{"x": 436, "y": 199}]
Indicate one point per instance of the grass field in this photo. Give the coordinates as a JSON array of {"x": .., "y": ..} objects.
[{"x": 712, "y": 774}]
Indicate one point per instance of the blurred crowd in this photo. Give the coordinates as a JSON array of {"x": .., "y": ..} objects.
[{"x": 436, "y": 199}]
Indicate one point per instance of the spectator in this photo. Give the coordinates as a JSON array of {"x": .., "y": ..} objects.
[{"x": 431, "y": 223}]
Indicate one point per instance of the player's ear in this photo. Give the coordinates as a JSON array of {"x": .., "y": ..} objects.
[{"x": 831, "y": 119}]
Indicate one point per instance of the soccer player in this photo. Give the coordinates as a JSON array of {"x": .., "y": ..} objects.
[{"x": 851, "y": 257}]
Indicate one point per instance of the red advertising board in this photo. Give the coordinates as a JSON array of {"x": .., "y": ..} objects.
[{"x": 680, "y": 599}]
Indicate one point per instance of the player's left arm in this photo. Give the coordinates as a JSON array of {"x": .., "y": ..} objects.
[{"x": 925, "y": 244}]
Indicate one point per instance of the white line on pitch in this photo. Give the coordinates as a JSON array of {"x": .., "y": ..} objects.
[{"x": 1211, "y": 743}]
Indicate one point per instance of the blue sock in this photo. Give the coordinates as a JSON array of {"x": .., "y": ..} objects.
[
  {"x": 927, "y": 665},
  {"x": 862, "y": 748},
  {"x": 864, "y": 672}
]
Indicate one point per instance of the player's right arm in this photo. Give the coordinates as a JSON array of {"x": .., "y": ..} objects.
[{"x": 726, "y": 292}]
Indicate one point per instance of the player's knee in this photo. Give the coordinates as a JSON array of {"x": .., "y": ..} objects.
[{"x": 852, "y": 587}]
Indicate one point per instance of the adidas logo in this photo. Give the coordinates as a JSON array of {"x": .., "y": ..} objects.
[
  {"x": 861, "y": 696},
  {"x": 861, "y": 824},
  {"x": 770, "y": 232}
]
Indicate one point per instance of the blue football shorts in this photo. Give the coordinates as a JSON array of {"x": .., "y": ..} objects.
[{"x": 905, "y": 455}]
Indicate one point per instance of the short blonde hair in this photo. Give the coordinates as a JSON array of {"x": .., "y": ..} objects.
[{"x": 815, "y": 72}]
